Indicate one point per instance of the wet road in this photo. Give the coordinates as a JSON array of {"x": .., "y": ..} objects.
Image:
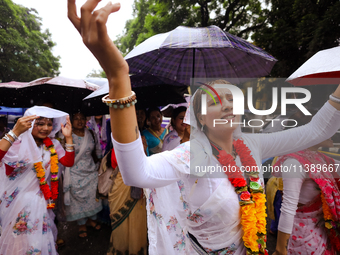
[{"x": 97, "y": 242}]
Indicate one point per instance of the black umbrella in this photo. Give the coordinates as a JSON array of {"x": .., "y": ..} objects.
[
  {"x": 150, "y": 90},
  {"x": 63, "y": 93}
]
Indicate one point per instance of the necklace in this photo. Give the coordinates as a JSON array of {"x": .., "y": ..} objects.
[
  {"x": 49, "y": 194},
  {"x": 251, "y": 197}
]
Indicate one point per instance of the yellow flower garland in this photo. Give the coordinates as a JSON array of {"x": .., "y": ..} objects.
[
  {"x": 251, "y": 196},
  {"x": 260, "y": 204},
  {"x": 50, "y": 194},
  {"x": 326, "y": 210},
  {"x": 248, "y": 218}
]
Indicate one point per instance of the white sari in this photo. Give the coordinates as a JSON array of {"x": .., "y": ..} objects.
[
  {"x": 26, "y": 225},
  {"x": 208, "y": 208}
]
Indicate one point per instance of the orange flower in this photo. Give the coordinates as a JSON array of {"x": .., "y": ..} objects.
[
  {"x": 39, "y": 169},
  {"x": 54, "y": 164},
  {"x": 48, "y": 193},
  {"x": 260, "y": 205},
  {"x": 247, "y": 220},
  {"x": 326, "y": 210}
]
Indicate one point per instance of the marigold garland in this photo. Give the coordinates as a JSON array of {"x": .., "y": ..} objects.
[
  {"x": 252, "y": 199},
  {"x": 330, "y": 224},
  {"x": 49, "y": 194}
]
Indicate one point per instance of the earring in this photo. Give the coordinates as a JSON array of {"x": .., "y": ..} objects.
[{"x": 202, "y": 128}]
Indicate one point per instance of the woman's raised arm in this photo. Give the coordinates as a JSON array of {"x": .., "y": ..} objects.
[
  {"x": 22, "y": 125},
  {"x": 92, "y": 28},
  {"x": 323, "y": 125}
]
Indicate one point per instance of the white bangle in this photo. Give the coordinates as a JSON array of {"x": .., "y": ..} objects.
[
  {"x": 69, "y": 145},
  {"x": 334, "y": 99},
  {"x": 69, "y": 150},
  {"x": 7, "y": 139},
  {"x": 11, "y": 133}
]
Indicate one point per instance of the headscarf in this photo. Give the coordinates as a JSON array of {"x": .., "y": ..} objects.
[
  {"x": 200, "y": 147},
  {"x": 25, "y": 149},
  {"x": 92, "y": 124}
]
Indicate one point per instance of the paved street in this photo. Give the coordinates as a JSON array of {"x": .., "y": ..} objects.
[{"x": 97, "y": 242}]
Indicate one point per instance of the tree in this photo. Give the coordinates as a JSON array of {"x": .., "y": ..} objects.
[
  {"x": 25, "y": 51},
  {"x": 152, "y": 17},
  {"x": 97, "y": 74},
  {"x": 296, "y": 30}
]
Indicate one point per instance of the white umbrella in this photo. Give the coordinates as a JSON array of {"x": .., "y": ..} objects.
[{"x": 321, "y": 68}]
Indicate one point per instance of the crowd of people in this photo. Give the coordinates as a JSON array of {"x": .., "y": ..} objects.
[{"x": 157, "y": 202}]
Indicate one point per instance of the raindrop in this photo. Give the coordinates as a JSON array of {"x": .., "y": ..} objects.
[
  {"x": 89, "y": 104},
  {"x": 65, "y": 227},
  {"x": 31, "y": 101},
  {"x": 140, "y": 71},
  {"x": 175, "y": 77}
]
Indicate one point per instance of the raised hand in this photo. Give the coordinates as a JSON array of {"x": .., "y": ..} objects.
[
  {"x": 67, "y": 128},
  {"x": 23, "y": 124},
  {"x": 92, "y": 28}
]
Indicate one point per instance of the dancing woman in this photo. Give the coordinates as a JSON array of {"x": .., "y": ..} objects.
[
  {"x": 29, "y": 181},
  {"x": 218, "y": 215},
  {"x": 310, "y": 211}
]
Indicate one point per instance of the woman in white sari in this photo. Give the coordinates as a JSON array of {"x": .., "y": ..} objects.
[
  {"x": 29, "y": 183},
  {"x": 209, "y": 215}
]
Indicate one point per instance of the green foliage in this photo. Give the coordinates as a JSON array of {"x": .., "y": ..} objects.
[
  {"x": 25, "y": 51},
  {"x": 97, "y": 74},
  {"x": 239, "y": 17},
  {"x": 296, "y": 30}
]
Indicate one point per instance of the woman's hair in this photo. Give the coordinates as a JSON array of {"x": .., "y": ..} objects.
[
  {"x": 175, "y": 113},
  {"x": 144, "y": 124},
  {"x": 197, "y": 99},
  {"x": 74, "y": 114},
  {"x": 152, "y": 109}
]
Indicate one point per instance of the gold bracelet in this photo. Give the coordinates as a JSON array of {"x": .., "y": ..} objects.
[{"x": 121, "y": 102}]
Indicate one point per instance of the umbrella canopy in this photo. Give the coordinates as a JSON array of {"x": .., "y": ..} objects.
[
  {"x": 64, "y": 94},
  {"x": 206, "y": 52},
  {"x": 150, "y": 90},
  {"x": 12, "y": 111},
  {"x": 321, "y": 68}
]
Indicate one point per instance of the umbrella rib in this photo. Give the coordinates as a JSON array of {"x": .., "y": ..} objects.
[{"x": 221, "y": 51}]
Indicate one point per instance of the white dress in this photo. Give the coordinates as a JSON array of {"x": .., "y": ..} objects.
[{"x": 210, "y": 209}]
